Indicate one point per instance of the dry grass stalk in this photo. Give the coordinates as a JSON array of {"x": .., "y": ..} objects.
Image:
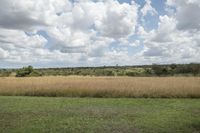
[{"x": 181, "y": 87}]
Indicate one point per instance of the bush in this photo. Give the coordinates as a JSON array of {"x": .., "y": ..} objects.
[
  {"x": 148, "y": 71},
  {"x": 27, "y": 71},
  {"x": 188, "y": 69},
  {"x": 131, "y": 73},
  {"x": 194, "y": 68},
  {"x": 5, "y": 73},
  {"x": 109, "y": 73},
  {"x": 35, "y": 74},
  {"x": 160, "y": 70},
  {"x": 157, "y": 69}
]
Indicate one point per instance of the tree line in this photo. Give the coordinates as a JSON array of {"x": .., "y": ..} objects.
[{"x": 192, "y": 69}]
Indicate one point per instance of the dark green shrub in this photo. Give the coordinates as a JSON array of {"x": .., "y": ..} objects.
[
  {"x": 160, "y": 70},
  {"x": 35, "y": 74},
  {"x": 148, "y": 71},
  {"x": 28, "y": 72},
  {"x": 194, "y": 68},
  {"x": 130, "y": 73},
  {"x": 108, "y": 73},
  {"x": 157, "y": 69},
  {"x": 25, "y": 71}
]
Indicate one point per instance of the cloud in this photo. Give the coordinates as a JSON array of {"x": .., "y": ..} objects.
[
  {"x": 90, "y": 23},
  {"x": 17, "y": 45},
  {"x": 97, "y": 32},
  {"x": 177, "y": 37},
  {"x": 168, "y": 42},
  {"x": 93, "y": 20},
  {"x": 187, "y": 13},
  {"x": 147, "y": 8},
  {"x": 84, "y": 28},
  {"x": 29, "y": 14},
  {"x": 3, "y": 53},
  {"x": 19, "y": 39},
  {"x": 119, "y": 20}
]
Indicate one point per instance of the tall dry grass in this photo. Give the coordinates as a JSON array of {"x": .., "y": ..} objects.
[{"x": 180, "y": 87}]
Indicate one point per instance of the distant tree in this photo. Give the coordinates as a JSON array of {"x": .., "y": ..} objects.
[
  {"x": 182, "y": 69},
  {"x": 25, "y": 71},
  {"x": 108, "y": 73},
  {"x": 191, "y": 68},
  {"x": 157, "y": 69},
  {"x": 131, "y": 73},
  {"x": 172, "y": 69},
  {"x": 173, "y": 66},
  {"x": 194, "y": 68},
  {"x": 164, "y": 71},
  {"x": 148, "y": 71},
  {"x": 160, "y": 70},
  {"x": 5, "y": 73}
]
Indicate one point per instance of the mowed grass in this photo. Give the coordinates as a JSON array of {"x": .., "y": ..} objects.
[
  {"x": 99, "y": 115},
  {"x": 148, "y": 87}
]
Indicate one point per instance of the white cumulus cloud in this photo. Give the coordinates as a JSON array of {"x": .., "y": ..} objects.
[{"x": 148, "y": 9}]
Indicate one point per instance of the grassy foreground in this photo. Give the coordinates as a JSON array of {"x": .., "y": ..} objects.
[
  {"x": 88, "y": 115},
  {"x": 151, "y": 87}
]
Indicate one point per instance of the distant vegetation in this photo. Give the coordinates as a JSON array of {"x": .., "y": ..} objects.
[
  {"x": 173, "y": 69},
  {"x": 5, "y": 72},
  {"x": 27, "y": 72},
  {"x": 137, "y": 71}
]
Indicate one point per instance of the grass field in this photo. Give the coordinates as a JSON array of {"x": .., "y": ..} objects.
[
  {"x": 100, "y": 115},
  {"x": 154, "y": 87},
  {"x": 124, "y": 114}
]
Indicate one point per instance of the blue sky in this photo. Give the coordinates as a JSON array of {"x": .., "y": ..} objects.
[{"x": 74, "y": 33}]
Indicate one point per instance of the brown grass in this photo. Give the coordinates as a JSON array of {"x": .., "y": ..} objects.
[{"x": 179, "y": 87}]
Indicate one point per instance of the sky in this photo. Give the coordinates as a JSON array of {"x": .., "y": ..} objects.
[{"x": 76, "y": 33}]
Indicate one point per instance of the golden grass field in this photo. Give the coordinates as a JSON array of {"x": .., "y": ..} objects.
[{"x": 73, "y": 86}]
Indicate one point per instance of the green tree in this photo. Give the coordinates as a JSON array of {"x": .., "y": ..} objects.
[
  {"x": 194, "y": 68},
  {"x": 157, "y": 69},
  {"x": 25, "y": 71}
]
